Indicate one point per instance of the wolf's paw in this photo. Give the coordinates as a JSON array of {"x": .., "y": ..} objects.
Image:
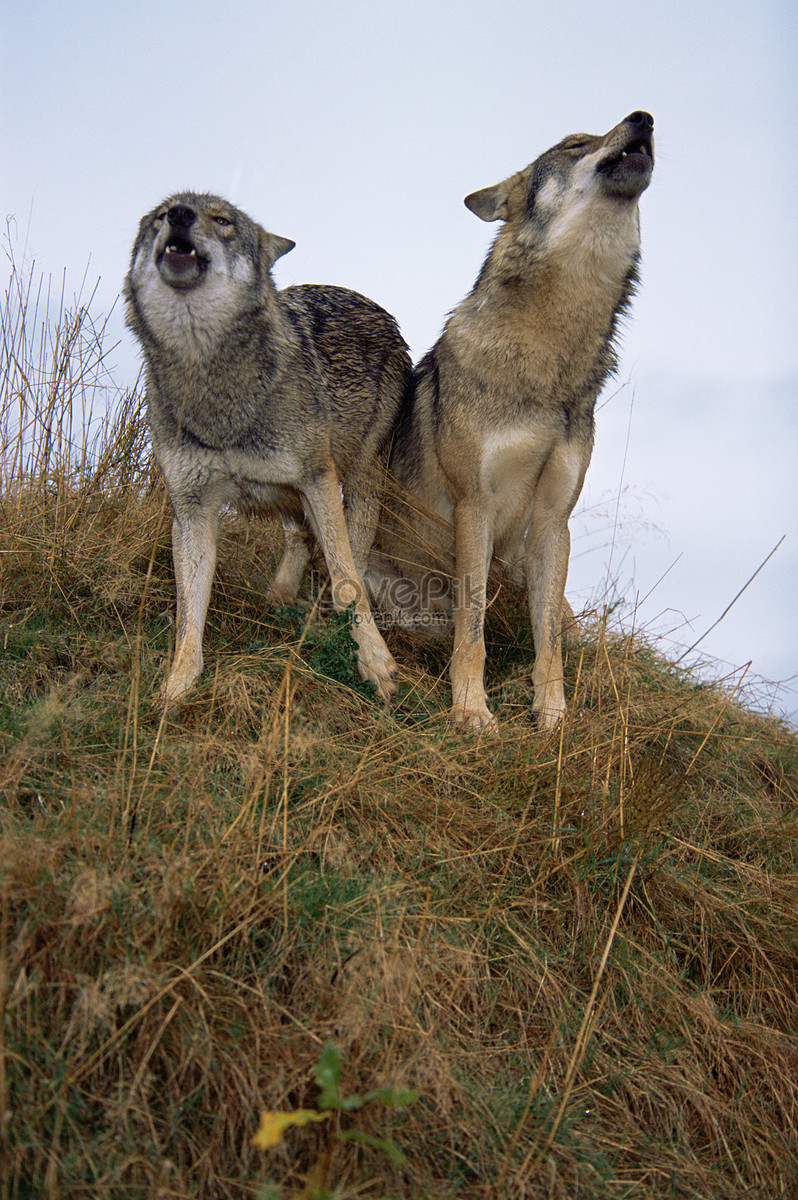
[
  {"x": 176, "y": 686},
  {"x": 281, "y": 592},
  {"x": 380, "y": 668},
  {"x": 548, "y": 716},
  {"x": 475, "y": 719}
]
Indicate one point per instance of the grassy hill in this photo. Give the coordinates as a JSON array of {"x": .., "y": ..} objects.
[{"x": 570, "y": 958}]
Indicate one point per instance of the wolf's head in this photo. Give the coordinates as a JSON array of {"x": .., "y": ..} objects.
[
  {"x": 584, "y": 191},
  {"x": 198, "y": 264}
]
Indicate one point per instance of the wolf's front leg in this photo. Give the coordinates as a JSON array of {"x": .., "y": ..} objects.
[
  {"x": 547, "y": 569},
  {"x": 195, "y": 534},
  {"x": 473, "y": 546},
  {"x": 548, "y": 546},
  {"x": 375, "y": 661}
]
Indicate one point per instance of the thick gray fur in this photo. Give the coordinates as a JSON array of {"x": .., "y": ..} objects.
[
  {"x": 273, "y": 401},
  {"x": 492, "y": 446}
]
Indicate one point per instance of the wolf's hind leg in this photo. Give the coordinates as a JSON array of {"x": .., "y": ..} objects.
[
  {"x": 284, "y": 587},
  {"x": 571, "y": 629},
  {"x": 362, "y": 502}
]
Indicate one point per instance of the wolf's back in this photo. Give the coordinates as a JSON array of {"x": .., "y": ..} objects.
[{"x": 353, "y": 350}]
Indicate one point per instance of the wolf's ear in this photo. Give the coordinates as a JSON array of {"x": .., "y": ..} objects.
[
  {"x": 490, "y": 204},
  {"x": 272, "y": 246}
]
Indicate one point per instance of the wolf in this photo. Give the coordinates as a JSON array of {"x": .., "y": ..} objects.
[
  {"x": 272, "y": 401},
  {"x": 492, "y": 445}
]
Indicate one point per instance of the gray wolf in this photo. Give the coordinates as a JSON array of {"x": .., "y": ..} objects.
[
  {"x": 274, "y": 401},
  {"x": 491, "y": 449}
]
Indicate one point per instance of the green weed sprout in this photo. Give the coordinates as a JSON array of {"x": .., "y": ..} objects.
[{"x": 328, "y": 1076}]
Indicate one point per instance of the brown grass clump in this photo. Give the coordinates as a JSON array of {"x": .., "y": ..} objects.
[{"x": 579, "y": 948}]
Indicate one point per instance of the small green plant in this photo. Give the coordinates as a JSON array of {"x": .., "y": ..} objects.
[
  {"x": 328, "y": 646},
  {"x": 328, "y": 1076}
]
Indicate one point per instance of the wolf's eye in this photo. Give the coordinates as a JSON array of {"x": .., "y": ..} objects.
[{"x": 223, "y": 222}]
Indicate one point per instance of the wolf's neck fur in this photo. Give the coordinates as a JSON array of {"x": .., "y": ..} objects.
[
  {"x": 551, "y": 314},
  {"x": 207, "y": 366}
]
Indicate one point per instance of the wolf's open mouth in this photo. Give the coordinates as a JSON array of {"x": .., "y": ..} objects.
[
  {"x": 628, "y": 172},
  {"x": 179, "y": 263},
  {"x": 179, "y": 245},
  {"x": 642, "y": 149}
]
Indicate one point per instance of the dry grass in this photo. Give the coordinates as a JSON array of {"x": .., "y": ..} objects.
[{"x": 580, "y": 948}]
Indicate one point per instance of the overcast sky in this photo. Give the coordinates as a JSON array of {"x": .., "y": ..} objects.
[{"x": 356, "y": 127}]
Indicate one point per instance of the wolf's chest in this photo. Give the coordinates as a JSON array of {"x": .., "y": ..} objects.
[
  {"x": 510, "y": 464},
  {"x": 256, "y": 479},
  {"x": 523, "y": 469}
]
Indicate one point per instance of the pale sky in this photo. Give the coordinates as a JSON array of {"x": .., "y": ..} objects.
[{"x": 356, "y": 128}]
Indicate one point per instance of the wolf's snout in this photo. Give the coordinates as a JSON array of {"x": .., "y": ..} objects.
[
  {"x": 629, "y": 161},
  {"x": 180, "y": 261},
  {"x": 643, "y": 132},
  {"x": 643, "y": 119},
  {"x": 181, "y": 216}
]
